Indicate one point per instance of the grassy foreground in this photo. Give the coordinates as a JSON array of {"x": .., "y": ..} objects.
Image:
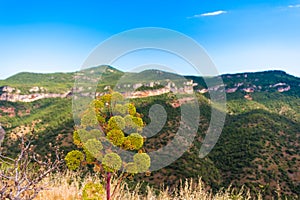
[{"x": 68, "y": 187}]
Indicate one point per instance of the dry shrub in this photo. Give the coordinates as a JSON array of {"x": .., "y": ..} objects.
[{"x": 68, "y": 186}]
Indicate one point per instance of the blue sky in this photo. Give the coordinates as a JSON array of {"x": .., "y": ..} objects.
[{"x": 239, "y": 35}]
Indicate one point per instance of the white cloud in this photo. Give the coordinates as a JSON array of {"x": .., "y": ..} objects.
[
  {"x": 294, "y": 6},
  {"x": 215, "y": 13}
]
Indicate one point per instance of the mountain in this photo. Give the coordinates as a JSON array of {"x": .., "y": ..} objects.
[
  {"x": 54, "y": 82},
  {"x": 259, "y": 146}
]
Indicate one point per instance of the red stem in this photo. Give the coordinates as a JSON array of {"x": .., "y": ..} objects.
[{"x": 108, "y": 176}]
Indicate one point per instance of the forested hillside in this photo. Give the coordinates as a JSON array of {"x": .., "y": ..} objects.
[{"x": 259, "y": 146}]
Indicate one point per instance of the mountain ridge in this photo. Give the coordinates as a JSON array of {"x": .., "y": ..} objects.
[
  {"x": 113, "y": 68},
  {"x": 64, "y": 82}
]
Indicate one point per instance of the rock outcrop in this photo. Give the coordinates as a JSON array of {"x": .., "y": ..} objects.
[{"x": 30, "y": 97}]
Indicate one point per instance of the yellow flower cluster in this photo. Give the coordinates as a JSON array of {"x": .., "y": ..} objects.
[{"x": 111, "y": 121}]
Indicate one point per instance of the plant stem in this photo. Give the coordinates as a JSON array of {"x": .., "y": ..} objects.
[{"x": 108, "y": 176}]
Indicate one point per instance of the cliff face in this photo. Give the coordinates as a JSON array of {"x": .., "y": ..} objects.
[
  {"x": 13, "y": 97},
  {"x": 156, "y": 92},
  {"x": 143, "y": 84},
  {"x": 30, "y": 97},
  {"x": 11, "y": 94}
]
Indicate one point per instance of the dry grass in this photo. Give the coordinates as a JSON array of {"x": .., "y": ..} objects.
[
  {"x": 62, "y": 186},
  {"x": 67, "y": 187}
]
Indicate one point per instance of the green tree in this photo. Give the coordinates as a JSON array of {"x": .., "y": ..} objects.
[{"x": 109, "y": 126}]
